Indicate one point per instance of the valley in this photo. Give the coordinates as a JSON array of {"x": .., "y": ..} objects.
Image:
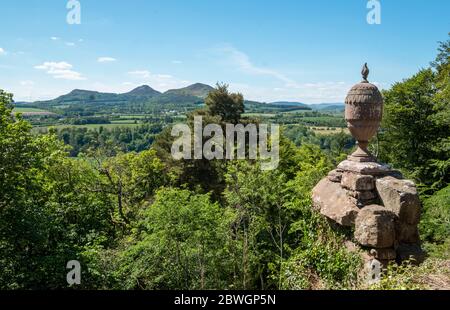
[
  {"x": 92, "y": 110},
  {"x": 131, "y": 120}
]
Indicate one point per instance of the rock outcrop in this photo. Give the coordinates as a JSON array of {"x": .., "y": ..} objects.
[
  {"x": 375, "y": 227},
  {"x": 383, "y": 210},
  {"x": 336, "y": 204}
]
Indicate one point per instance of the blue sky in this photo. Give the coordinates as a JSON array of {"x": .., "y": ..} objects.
[{"x": 309, "y": 51}]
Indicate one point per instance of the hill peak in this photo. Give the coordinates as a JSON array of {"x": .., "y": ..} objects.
[
  {"x": 196, "y": 90},
  {"x": 81, "y": 91},
  {"x": 143, "y": 90},
  {"x": 199, "y": 85}
]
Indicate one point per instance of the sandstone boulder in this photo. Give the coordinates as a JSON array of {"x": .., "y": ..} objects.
[
  {"x": 400, "y": 196},
  {"x": 335, "y": 176},
  {"x": 375, "y": 227},
  {"x": 368, "y": 168},
  {"x": 363, "y": 195},
  {"x": 357, "y": 182},
  {"x": 333, "y": 202}
]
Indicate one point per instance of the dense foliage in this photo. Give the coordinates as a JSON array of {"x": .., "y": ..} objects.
[
  {"x": 137, "y": 219},
  {"x": 143, "y": 221},
  {"x": 415, "y": 138},
  {"x": 125, "y": 139},
  {"x": 416, "y": 127}
]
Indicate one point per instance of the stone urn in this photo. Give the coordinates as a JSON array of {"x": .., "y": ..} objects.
[{"x": 363, "y": 113}]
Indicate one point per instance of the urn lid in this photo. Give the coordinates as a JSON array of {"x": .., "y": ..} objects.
[{"x": 364, "y": 92}]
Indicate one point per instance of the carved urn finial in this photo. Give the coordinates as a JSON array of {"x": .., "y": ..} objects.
[
  {"x": 363, "y": 113},
  {"x": 365, "y": 73}
]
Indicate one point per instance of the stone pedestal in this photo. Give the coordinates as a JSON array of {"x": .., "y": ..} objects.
[{"x": 382, "y": 207}]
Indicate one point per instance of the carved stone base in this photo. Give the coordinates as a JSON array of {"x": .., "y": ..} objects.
[
  {"x": 367, "y": 168},
  {"x": 382, "y": 207},
  {"x": 361, "y": 159}
]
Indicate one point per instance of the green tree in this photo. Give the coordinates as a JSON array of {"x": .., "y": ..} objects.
[
  {"x": 128, "y": 180},
  {"x": 416, "y": 138},
  {"x": 25, "y": 224},
  {"x": 415, "y": 133},
  {"x": 229, "y": 106},
  {"x": 50, "y": 212},
  {"x": 180, "y": 243},
  {"x": 435, "y": 223},
  {"x": 261, "y": 222},
  {"x": 282, "y": 241},
  {"x": 318, "y": 254},
  {"x": 440, "y": 163}
]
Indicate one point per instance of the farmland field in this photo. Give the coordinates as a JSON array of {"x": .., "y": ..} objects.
[
  {"x": 135, "y": 116},
  {"x": 259, "y": 114},
  {"x": 328, "y": 130},
  {"x": 30, "y": 111},
  {"x": 89, "y": 126},
  {"x": 25, "y": 110},
  {"x": 125, "y": 121}
]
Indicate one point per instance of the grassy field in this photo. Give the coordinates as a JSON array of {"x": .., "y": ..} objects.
[
  {"x": 89, "y": 126},
  {"x": 328, "y": 130},
  {"x": 136, "y": 116},
  {"x": 25, "y": 110},
  {"x": 28, "y": 110},
  {"x": 259, "y": 114},
  {"x": 124, "y": 121},
  {"x": 297, "y": 112}
]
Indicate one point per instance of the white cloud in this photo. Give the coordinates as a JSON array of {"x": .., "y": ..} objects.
[
  {"x": 177, "y": 62},
  {"x": 27, "y": 83},
  {"x": 54, "y": 38},
  {"x": 2, "y": 51},
  {"x": 61, "y": 70},
  {"x": 143, "y": 74},
  {"x": 106, "y": 59},
  {"x": 70, "y": 44},
  {"x": 243, "y": 63},
  {"x": 50, "y": 65},
  {"x": 163, "y": 76},
  {"x": 282, "y": 87},
  {"x": 322, "y": 92},
  {"x": 69, "y": 75}
]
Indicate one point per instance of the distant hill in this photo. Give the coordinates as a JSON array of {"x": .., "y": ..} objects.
[
  {"x": 290, "y": 103},
  {"x": 328, "y": 106},
  {"x": 83, "y": 96},
  {"x": 143, "y": 91},
  {"x": 142, "y": 94},
  {"x": 196, "y": 90},
  {"x": 190, "y": 96}
]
